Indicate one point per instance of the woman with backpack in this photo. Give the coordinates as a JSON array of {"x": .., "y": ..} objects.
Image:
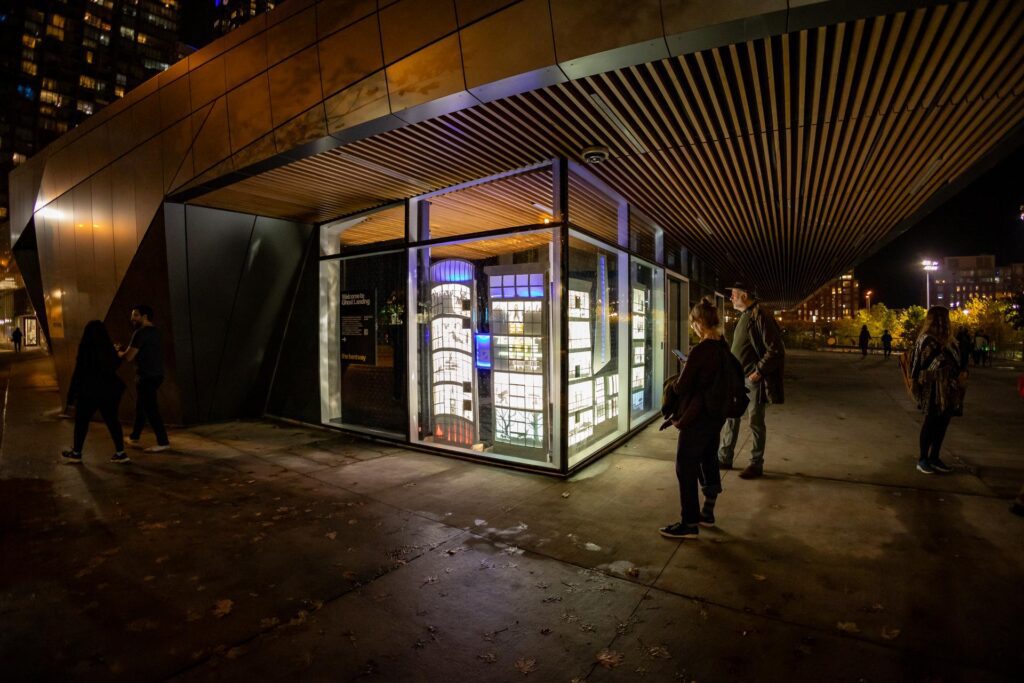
[
  {"x": 938, "y": 373},
  {"x": 699, "y": 422},
  {"x": 96, "y": 386}
]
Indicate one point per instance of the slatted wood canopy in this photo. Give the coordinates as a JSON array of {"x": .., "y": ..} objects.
[{"x": 784, "y": 160}]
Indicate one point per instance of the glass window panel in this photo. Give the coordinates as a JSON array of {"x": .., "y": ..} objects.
[
  {"x": 642, "y": 235},
  {"x": 596, "y": 335},
  {"x": 592, "y": 209},
  {"x": 502, "y": 411},
  {"x": 507, "y": 202},
  {"x": 381, "y": 227},
  {"x": 646, "y": 340},
  {"x": 363, "y": 343}
]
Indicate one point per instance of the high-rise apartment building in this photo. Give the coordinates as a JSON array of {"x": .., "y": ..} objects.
[
  {"x": 961, "y": 278},
  {"x": 835, "y": 299},
  {"x": 230, "y": 14},
  {"x": 62, "y": 60}
]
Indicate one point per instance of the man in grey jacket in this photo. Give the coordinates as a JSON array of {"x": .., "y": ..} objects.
[{"x": 757, "y": 344}]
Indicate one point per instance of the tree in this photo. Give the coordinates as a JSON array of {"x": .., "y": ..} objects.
[
  {"x": 910, "y": 321},
  {"x": 1015, "y": 311}
]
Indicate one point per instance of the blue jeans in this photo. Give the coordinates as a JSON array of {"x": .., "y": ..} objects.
[{"x": 730, "y": 433}]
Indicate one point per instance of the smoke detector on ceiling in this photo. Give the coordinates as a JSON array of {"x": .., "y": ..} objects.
[{"x": 594, "y": 154}]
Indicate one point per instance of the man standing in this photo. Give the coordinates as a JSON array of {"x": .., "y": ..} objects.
[
  {"x": 16, "y": 338},
  {"x": 757, "y": 344},
  {"x": 146, "y": 350}
]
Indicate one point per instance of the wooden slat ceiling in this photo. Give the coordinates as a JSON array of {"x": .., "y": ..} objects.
[{"x": 784, "y": 160}]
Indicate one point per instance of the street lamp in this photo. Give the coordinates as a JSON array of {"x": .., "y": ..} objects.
[
  {"x": 928, "y": 265},
  {"x": 867, "y": 295}
]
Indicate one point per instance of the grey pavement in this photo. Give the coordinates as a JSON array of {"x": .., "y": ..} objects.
[{"x": 267, "y": 551}]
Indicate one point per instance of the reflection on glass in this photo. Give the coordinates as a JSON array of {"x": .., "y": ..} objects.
[
  {"x": 363, "y": 343},
  {"x": 594, "y": 333},
  {"x": 646, "y": 331}
]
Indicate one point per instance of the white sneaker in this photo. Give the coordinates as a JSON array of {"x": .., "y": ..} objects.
[
  {"x": 132, "y": 443},
  {"x": 158, "y": 448}
]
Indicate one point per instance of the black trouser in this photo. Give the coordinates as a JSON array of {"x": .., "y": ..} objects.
[
  {"x": 17, "y": 346},
  {"x": 887, "y": 350},
  {"x": 85, "y": 408},
  {"x": 697, "y": 461},
  {"x": 146, "y": 408},
  {"x": 933, "y": 431}
]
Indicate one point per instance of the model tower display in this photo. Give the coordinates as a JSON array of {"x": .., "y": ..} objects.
[
  {"x": 518, "y": 319},
  {"x": 452, "y": 385}
]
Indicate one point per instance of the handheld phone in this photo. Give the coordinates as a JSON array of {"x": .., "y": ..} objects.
[{"x": 680, "y": 355}]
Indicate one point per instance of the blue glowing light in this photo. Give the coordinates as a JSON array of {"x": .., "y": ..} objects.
[
  {"x": 451, "y": 270},
  {"x": 483, "y": 350}
]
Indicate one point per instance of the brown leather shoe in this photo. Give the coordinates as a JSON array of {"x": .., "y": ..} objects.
[{"x": 752, "y": 472}]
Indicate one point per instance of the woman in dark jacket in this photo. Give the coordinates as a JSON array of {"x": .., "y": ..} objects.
[
  {"x": 939, "y": 373},
  {"x": 96, "y": 386},
  {"x": 697, "y": 449},
  {"x": 865, "y": 339}
]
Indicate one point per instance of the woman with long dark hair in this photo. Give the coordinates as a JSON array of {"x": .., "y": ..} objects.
[
  {"x": 96, "y": 386},
  {"x": 939, "y": 372}
]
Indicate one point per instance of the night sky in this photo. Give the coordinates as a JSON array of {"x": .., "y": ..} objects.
[{"x": 982, "y": 219}]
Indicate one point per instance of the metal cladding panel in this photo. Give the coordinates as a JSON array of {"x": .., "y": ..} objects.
[
  {"x": 257, "y": 319},
  {"x": 295, "y": 392},
  {"x": 103, "y": 236},
  {"x": 146, "y": 282},
  {"x": 217, "y": 245},
  {"x": 178, "y": 306},
  {"x": 26, "y": 253},
  {"x": 126, "y": 236}
]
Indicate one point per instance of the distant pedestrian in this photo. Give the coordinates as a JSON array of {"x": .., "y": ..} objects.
[
  {"x": 886, "y": 343},
  {"x": 939, "y": 376},
  {"x": 16, "y": 338},
  {"x": 865, "y": 339},
  {"x": 979, "y": 347},
  {"x": 757, "y": 344},
  {"x": 1017, "y": 507},
  {"x": 146, "y": 350},
  {"x": 699, "y": 423},
  {"x": 96, "y": 386},
  {"x": 965, "y": 344}
]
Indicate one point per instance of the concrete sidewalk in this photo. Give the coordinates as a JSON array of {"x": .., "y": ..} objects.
[{"x": 266, "y": 552}]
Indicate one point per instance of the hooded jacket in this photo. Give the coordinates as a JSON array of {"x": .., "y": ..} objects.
[{"x": 766, "y": 338}]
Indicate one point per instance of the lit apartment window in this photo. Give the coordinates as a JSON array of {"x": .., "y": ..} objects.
[
  {"x": 49, "y": 84},
  {"x": 142, "y": 38},
  {"x": 118, "y": 91},
  {"x": 17, "y": 158},
  {"x": 122, "y": 79},
  {"x": 57, "y": 33},
  {"x": 88, "y": 56},
  {"x": 50, "y": 97},
  {"x": 87, "y": 82},
  {"x": 127, "y": 32},
  {"x": 28, "y": 67},
  {"x": 85, "y": 107},
  {"x": 92, "y": 20},
  {"x": 45, "y": 110},
  {"x": 29, "y": 41}
]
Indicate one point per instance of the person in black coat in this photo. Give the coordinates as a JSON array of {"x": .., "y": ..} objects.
[
  {"x": 699, "y": 430},
  {"x": 96, "y": 386},
  {"x": 865, "y": 339}
]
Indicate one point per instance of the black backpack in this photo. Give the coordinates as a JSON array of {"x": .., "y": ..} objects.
[{"x": 727, "y": 395}]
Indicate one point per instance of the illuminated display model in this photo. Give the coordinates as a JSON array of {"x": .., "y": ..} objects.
[
  {"x": 452, "y": 385},
  {"x": 518, "y": 318},
  {"x": 639, "y": 334},
  {"x": 581, "y": 358}
]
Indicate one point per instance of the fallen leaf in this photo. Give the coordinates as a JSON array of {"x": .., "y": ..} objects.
[
  {"x": 610, "y": 659},
  {"x": 526, "y": 666},
  {"x": 759, "y": 577},
  {"x": 658, "y": 652},
  {"x": 890, "y": 633},
  {"x": 848, "y": 626},
  {"x": 488, "y": 657},
  {"x": 331, "y": 535},
  {"x": 566, "y": 494},
  {"x": 877, "y": 607},
  {"x": 222, "y": 608},
  {"x": 633, "y": 572}
]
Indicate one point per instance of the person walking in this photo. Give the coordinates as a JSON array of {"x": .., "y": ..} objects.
[
  {"x": 965, "y": 344},
  {"x": 699, "y": 426},
  {"x": 886, "y": 343},
  {"x": 939, "y": 375},
  {"x": 978, "y": 347},
  {"x": 16, "y": 338},
  {"x": 865, "y": 339},
  {"x": 96, "y": 386},
  {"x": 146, "y": 350},
  {"x": 757, "y": 344}
]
